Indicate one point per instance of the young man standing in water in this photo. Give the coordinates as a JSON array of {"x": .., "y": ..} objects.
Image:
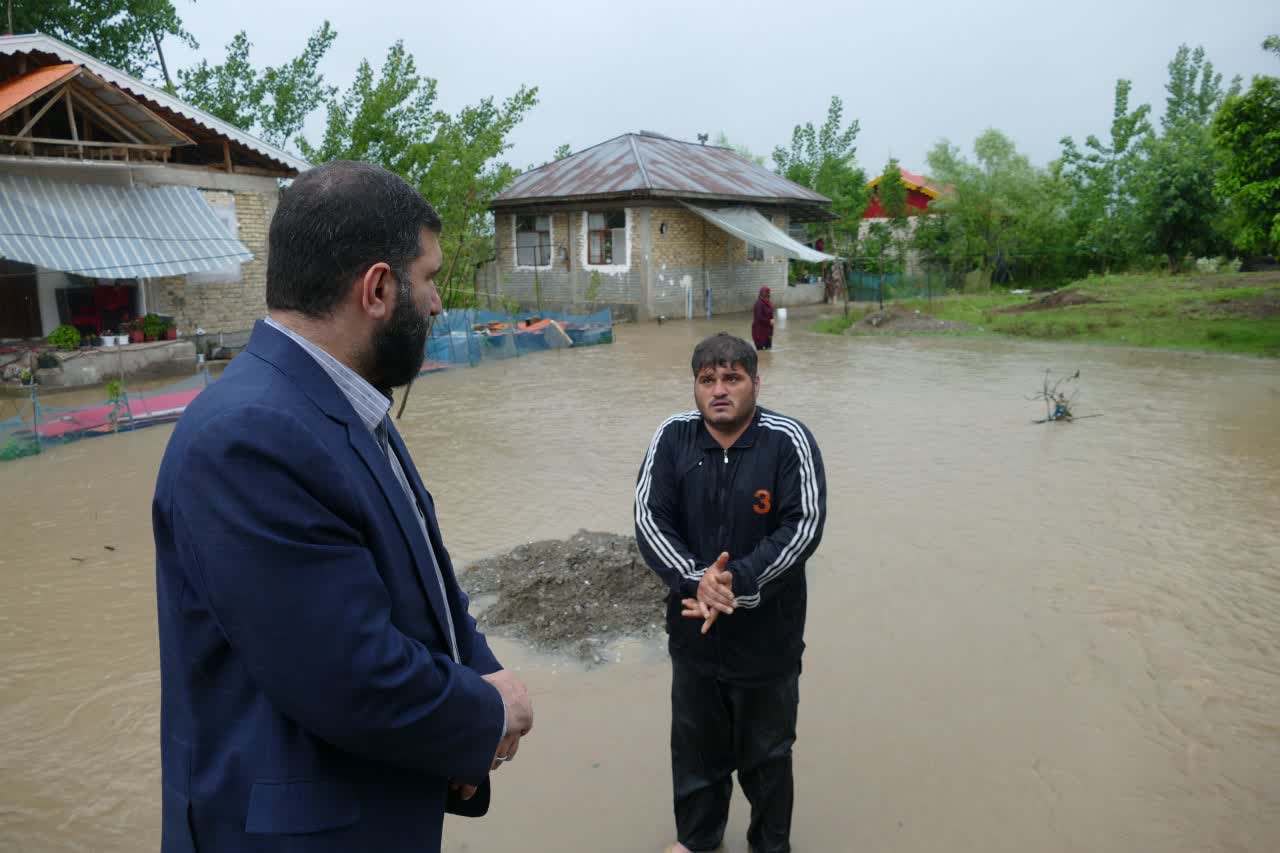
[{"x": 730, "y": 503}]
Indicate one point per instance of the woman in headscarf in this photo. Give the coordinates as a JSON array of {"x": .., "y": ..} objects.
[{"x": 762, "y": 321}]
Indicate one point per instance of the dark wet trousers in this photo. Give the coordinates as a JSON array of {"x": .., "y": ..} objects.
[{"x": 718, "y": 727}]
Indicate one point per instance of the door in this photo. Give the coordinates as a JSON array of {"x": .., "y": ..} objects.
[{"x": 19, "y": 301}]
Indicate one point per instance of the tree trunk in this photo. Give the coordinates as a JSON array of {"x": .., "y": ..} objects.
[{"x": 164, "y": 66}]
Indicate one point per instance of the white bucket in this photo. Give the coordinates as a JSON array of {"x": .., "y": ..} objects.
[{"x": 782, "y": 313}]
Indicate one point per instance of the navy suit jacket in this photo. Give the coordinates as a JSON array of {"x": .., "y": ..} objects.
[{"x": 309, "y": 701}]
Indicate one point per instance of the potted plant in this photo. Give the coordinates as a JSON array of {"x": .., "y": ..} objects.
[
  {"x": 65, "y": 337},
  {"x": 136, "y": 334},
  {"x": 153, "y": 327},
  {"x": 170, "y": 329},
  {"x": 27, "y": 379},
  {"x": 109, "y": 339}
]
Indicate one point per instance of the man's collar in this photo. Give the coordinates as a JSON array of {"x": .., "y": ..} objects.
[{"x": 370, "y": 404}]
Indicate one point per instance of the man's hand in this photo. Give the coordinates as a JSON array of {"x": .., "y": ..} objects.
[
  {"x": 506, "y": 749},
  {"x": 695, "y": 609},
  {"x": 715, "y": 594},
  {"x": 715, "y": 590},
  {"x": 468, "y": 791},
  {"x": 520, "y": 708}
]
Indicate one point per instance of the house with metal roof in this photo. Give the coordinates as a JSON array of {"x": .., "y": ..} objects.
[
  {"x": 650, "y": 226},
  {"x": 921, "y": 193},
  {"x": 118, "y": 199}
]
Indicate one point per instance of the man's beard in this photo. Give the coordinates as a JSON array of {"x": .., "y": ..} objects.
[{"x": 400, "y": 347}]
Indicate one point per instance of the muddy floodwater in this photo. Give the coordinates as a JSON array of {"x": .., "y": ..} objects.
[{"x": 1021, "y": 638}]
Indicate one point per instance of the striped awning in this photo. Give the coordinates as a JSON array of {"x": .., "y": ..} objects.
[{"x": 112, "y": 232}]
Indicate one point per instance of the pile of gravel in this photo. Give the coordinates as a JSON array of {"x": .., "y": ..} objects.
[{"x": 569, "y": 595}]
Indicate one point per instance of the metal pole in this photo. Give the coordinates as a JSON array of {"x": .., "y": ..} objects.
[{"x": 35, "y": 413}]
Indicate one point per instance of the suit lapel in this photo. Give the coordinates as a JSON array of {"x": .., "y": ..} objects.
[
  {"x": 428, "y": 506},
  {"x": 380, "y": 467},
  {"x": 290, "y": 359}
]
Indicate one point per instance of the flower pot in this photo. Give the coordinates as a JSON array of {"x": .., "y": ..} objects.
[
  {"x": 149, "y": 338},
  {"x": 108, "y": 340},
  {"x": 121, "y": 340},
  {"x": 171, "y": 334},
  {"x": 136, "y": 337}
]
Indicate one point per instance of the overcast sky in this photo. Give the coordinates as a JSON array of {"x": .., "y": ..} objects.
[{"x": 910, "y": 73}]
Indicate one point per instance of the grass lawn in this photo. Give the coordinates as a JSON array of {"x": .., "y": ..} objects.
[{"x": 1230, "y": 312}]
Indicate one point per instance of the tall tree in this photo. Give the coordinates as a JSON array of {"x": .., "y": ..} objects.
[
  {"x": 390, "y": 119},
  {"x": 273, "y": 102},
  {"x": 1002, "y": 217},
  {"x": 824, "y": 160},
  {"x": 125, "y": 34},
  {"x": 1101, "y": 180},
  {"x": 1247, "y": 132},
  {"x": 1175, "y": 186}
]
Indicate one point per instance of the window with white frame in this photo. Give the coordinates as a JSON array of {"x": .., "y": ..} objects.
[
  {"x": 607, "y": 237},
  {"x": 533, "y": 241},
  {"x": 754, "y": 252}
]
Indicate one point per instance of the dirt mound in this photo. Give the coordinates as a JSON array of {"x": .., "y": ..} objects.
[
  {"x": 1057, "y": 299},
  {"x": 896, "y": 320},
  {"x": 570, "y": 595}
]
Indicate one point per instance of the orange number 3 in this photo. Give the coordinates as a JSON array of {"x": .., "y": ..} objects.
[{"x": 764, "y": 502}]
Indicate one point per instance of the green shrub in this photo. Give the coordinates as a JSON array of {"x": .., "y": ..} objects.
[{"x": 65, "y": 337}]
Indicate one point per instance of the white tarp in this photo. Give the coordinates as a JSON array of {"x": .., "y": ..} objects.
[{"x": 746, "y": 223}]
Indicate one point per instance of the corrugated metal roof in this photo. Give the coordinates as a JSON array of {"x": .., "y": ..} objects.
[
  {"x": 29, "y": 88},
  {"x": 157, "y": 130},
  {"x": 14, "y": 92},
  {"x": 39, "y": 43},
  {"x": 648, "y": 164}
]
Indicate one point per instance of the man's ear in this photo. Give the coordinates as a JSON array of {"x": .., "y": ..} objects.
[{"x": 375, "y": 291}]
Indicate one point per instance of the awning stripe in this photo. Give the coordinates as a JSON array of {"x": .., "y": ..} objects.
[
  {"x": 113, "y": 232},
  {"x": 746, "y": 223}
]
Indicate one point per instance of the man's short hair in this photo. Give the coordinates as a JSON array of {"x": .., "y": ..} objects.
[
  {"x": 332, "y": 224},
  {"x": 724, "y": 350}
]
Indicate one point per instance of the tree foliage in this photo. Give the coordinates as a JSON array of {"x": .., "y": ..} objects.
[
  {"x": 1246, "y": 130},
  {"x": 121, "y": 33},
  {"x": 272, "y": 102},
  {"x": 390, "y": 119},
  {"x": 1101, "y": 182},
  {"x": 1002, "y": 218},
  {"x": 824, "y": 160},
  {"x": 1177, "y": 205}
]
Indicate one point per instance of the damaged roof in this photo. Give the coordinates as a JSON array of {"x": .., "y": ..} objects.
[
  {"x": 650, "y": 165},
  {"x": 169, "y": 107}
]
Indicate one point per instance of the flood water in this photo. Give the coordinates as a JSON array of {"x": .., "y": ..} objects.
[{"x": 1021, "y": 638}]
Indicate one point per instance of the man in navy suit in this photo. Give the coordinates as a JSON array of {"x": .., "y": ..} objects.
[{"x": 323, "y": 687}]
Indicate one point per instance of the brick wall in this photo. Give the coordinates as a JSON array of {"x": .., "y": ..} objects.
[
  {"x": 681, "y": 243},
  {"x": 229, "y": 306}
]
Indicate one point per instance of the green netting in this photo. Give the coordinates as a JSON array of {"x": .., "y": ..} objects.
[
  {"x": 32, "y": 424},
  {"x": 873, "y": 287},
  {"x": 468, "y": 337}
]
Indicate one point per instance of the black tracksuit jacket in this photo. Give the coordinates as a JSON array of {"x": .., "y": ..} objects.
[{"x": 764, "y": 501}]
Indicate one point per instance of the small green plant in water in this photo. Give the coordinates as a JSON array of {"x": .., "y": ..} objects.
[{"x": 119, "y": 404}]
